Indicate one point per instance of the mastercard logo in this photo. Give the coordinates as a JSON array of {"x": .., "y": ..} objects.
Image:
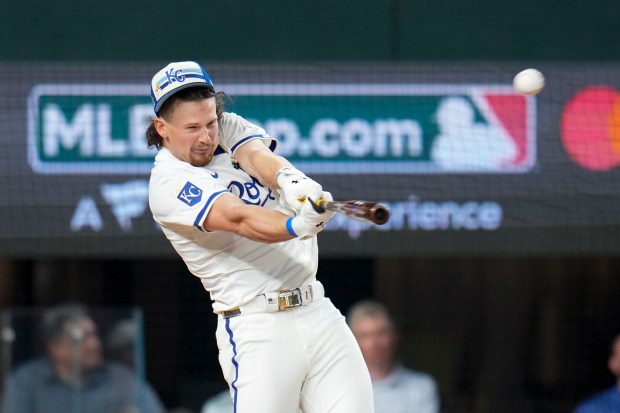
[{"x": 590, "y": 128}]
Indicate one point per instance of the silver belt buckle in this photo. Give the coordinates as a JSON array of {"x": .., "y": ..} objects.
[{"x": 288, "y": 299}]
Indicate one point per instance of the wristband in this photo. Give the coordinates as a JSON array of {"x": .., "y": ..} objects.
[{"x": 289, "y": 227}]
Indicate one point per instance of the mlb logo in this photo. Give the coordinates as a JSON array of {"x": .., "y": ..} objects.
[
  {"x": 190, "y": 194},
  {"x": 487, "y": 131}
]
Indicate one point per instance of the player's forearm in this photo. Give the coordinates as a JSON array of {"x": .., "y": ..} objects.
[
  {"x": 258, "y": 161},
  {"x": 272, "y": 226},
  {"x": 267, "y": 226},
  {"x": 267, "y": 166},
  {"x": 230, "y": 214}
]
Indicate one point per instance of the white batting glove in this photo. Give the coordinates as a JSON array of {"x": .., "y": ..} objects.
[
  {"x": 309, "y": 222},
  {"x": 296, "y": 187}
]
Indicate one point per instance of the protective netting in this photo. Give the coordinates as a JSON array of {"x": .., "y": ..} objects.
[{"x": 465, "y": 163}]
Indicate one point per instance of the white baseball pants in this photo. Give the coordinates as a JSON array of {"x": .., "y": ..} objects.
[{"x": 304, "y": 358}]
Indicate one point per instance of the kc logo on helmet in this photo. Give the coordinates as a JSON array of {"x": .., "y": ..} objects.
[{"x": 175, "y": 75}]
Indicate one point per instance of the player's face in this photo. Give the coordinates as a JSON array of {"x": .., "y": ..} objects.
[
  {"x": 190, "y": 133},
  {"x": 376, "y": 338}
]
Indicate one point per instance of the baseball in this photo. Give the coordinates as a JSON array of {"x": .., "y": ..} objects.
[{"x": 529, "y": 82}]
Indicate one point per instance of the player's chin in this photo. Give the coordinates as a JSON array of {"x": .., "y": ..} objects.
[{"x": 200, "y": 160}]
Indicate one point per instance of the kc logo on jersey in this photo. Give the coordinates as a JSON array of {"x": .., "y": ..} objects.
[{"x": 190, "y": 194}]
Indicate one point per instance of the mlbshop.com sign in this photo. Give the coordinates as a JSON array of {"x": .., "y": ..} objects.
[
  {"x": 395, "y": 128},
  {"x": 322, "y": 128}
]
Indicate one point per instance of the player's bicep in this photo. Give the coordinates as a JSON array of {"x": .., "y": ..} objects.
[{"x": 225, "y": 214}]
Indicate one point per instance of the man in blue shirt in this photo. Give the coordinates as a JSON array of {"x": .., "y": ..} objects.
[
  {"x": 73, "y": 377},
  {"x": 607, "y": 401}
]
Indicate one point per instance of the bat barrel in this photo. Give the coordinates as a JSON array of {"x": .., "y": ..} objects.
[
  {"x": 381, "y": 214},
  {"x": 365, "y": 211}
]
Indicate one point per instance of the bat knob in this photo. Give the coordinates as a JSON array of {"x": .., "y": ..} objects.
[{"x": 316, "y": 206}]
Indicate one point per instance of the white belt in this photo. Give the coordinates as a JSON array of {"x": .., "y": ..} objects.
[{"x": 279, "y": 300}]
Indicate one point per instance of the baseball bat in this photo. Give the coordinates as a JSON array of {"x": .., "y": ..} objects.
[{"x": 364, "y": 211}]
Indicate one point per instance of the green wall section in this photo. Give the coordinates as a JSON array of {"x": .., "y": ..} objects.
[{"x": 307, "y": 30}]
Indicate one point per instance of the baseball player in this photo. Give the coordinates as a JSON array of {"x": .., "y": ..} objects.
[{"x": 238, "y": 215}]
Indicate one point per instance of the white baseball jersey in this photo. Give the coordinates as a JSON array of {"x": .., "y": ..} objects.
[{"x": 232, "y": 268}]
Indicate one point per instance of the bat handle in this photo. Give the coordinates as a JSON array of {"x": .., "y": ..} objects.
[{"x": 324, "y": 204}]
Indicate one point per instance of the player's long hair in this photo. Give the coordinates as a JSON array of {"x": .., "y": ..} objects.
[{"x": 192, "y": 94}]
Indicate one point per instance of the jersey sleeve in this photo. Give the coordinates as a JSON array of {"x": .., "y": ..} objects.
[
  {"x": 184, "y": 201},
  {"x": 234, "y": 131}
]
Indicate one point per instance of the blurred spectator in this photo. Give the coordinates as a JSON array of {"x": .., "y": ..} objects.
[
  {"x": 607, "y": 401},
  {"x": 396, "y": 389},
  {"x": 121, "y": 343},
  {"x": 72, "y": 376},
  {"x": 219, "y": 403}
]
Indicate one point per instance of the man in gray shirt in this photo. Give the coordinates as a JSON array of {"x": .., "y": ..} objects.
[
  {"x": 396, "y": 389},
  {"x": 73, "y": 377}
]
